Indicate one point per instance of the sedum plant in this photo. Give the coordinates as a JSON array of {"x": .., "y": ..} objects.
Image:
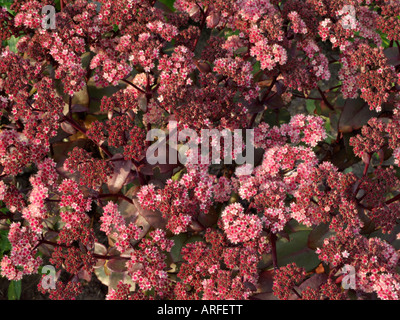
[{"x": 316, "y": 84}]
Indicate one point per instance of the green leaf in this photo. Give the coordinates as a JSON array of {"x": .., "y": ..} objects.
[
  {"x": 179, "y": 241},
  {"x": 294, "y": 226},
  {"x": 177, "y": 175},
  {"x": 57, "y": 5},
  {"x": 5, "y": 245},
  {"x": 12, "y": 44},
  {"x": 195, "y": 238},
  {"x": 14, "y": 290},
  {"x": 311, "y": 106},
  {"x": 298, "y": 241},
  {"x": 6, "y": 4},
  {"x": 256, "y": 67},
  {"x": 317, "y": 236},
  {"x": 169, "y": 4},
  {"x": 306, "y": 259},
  {"x": 296, "y": 250}
]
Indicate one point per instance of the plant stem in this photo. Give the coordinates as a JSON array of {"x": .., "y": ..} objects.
[
  {"x": 365, "y": 172},
  {"x": 328, "y": 104},
  {"x": 273, "y": 238},
  {"x": 107, "y": 257},
  {"x": 117, "y": 195},
  {"x": 43, "y": 241},
  {"x": 394, "y": 199},
  {"x": 251, "y": 205},
  {"x": 134, "y": 85},
  {"x": 70, "y": 107},
  {"x": 274, "y": 80},
  {"x": 202, "y": 25},
  {"x": 296, "y": 293}
]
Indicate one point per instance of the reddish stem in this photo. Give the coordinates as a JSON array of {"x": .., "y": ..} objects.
[
  {"x": 274, "y": 80},
  {"x": 95, "y": 255},
  {"x": 328, "y": 104},
  {"x": 394, "y": 199},
  {"x": 273, "y": 238},
  {"x": 202, "y": 25},
  {"x": 251, "y": 205},
  {"x": 117, "y": 195},
  {"x": 365, "y": 172},
  {"x": 107, "y": 257}
]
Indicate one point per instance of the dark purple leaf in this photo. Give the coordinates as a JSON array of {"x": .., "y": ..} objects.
[
  {"x": 265, "y": 281},
  {"x": 317, "y": 235},
  {"x": 46, "y": 249},
  {"x": 76, "y": 108},
  {"x": 195, "y": 226},
  {"x": 208, "y": 219},
  {"x": 203, "y": 67},
  {"x": 393, "y": 56},
  {"x": 117, "y": 265},
  {"x": 355, "y": 114},
  {"x": 264, "y": 296},
  {"x": 275, "y": 101}
]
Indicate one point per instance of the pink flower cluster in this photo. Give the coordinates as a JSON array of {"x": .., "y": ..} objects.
[
  {"x": 107, "y": 70},
  {"x": 165, "y": 30},
  {"x": 147, "y": 265},
  {"x": 236, "y": 69},
  {"x": 301, "y": 128},
  {"x": 203, "y": 274},
  {"x": 21, "y": 260},
  {"x": 298, "y": 24},
  {"x": 176, "y": 68},
  {"x": 93, "y": 172},
  {"x": 16, "y": 152},
  {"x": 178, "y": 200},
  {"x": 113, "y": 224},
  {"x": 73, "y": 204},
  {"x": 374, "y": 262},
  {"x": 269, "y": 55},
  {"x": 239, "y": 226}
]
